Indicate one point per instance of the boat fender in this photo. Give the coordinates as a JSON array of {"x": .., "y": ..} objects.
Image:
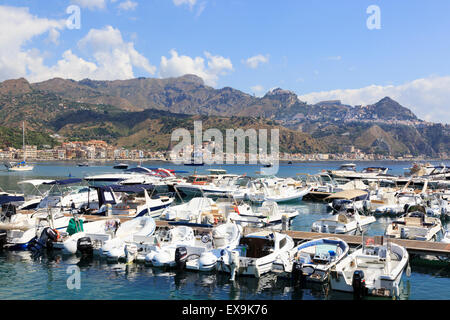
[
  {"x": 359, "y": 284},
  {"x": 408, "y": 270},
  {"x": 234, "y": 264},
  {"x": 180, "y": 257},
  {"x": 84, "y": 245}
]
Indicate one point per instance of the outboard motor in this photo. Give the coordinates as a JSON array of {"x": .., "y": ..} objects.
[
  {"x": 297, "y": 275},
  {"x": 180, "y": 257},
  {"x": 48, "y": 236},
  {"x": 359, "y": 284},
  {"x": 84, "y": 245}
]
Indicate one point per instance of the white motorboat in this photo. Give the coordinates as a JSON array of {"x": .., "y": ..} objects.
[
  {"x": 348, "y": 171},
  {"x": 269, "y": 215},
  {"x": 344, "y": 222},
  {"x": 349, "y": 199},
  {"x": 114, "y": 249},
  {"x": 169, "y": 251},
  {"x": 396, "y": 203},
  {"x": 67, "y": 196},
  {"x": 375, "y": 269},
  {"x": 225, "y": 236},
  {"x": 255, "y": 254},
  {"x": 110, "y": 236},
  {"x": 26, "y": 230},
  {"x": 123, "y": 201},
  {"x": 414, "y": 226},
  {"x": 261, "y": 191},
  {"x": 312, "y": 260}
]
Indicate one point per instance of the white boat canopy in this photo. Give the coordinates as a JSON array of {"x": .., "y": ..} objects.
[
  {"x": 36, "y": 183},
  {"x": 347, "y": 194}
]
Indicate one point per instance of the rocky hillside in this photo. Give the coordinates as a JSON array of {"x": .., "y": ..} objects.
[{"x": 142, "y": 112}]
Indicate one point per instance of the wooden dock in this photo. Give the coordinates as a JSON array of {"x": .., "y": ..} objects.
[{"x": 413, "y": 246}]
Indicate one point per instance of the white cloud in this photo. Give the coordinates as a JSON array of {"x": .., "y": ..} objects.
[
  {"x": 106, "y": 55},
  {"x": 15, "y": 59},
  {"x": 190, "y": 3},
  {"x": 257, "y": 90},
  {"x": 91, "y": 4},
  {"x": 428, "y": 98},
  {"x": 177, "y": 65},
  {"x": 255, "y": 61},
  {"x": 128, "y": 5}
]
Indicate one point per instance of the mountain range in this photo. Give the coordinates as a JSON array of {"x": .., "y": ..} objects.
[{"x": 143, "y": 112}]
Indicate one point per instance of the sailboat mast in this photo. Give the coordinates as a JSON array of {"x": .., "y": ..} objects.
[{"x": 23, "y": 142}]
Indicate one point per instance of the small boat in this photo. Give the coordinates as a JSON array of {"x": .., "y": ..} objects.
[
  {"x": 375, "y": 269},
  {"x": 225, "y": 236},
  {"x": 110, "y": 238},
  {"x": 21, "y": 166},
  {"x": 344, "y": 222},
  {"x": 255, "y": 254},
  {"x": 349, "y": 199},
  {"x": 262, "y": 190},
  {"x": 83, "y": 164},
  {"x": 168, "y": 251},
  {"x": 114, "y": 249},
  {"x": 414, "y": 226},
  {"x": 32, "y": 231},
  {"x": 313, "y": 259}
]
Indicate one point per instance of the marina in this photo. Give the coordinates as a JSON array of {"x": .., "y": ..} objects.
[{"x": 430, "y": 253}]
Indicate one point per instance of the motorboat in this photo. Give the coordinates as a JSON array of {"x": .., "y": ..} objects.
[
  {"x": 414, "y": 226},
  {"x": 138, "y": 175},
  {"x": 437, "y": 206},
  {"x": 396, "y": 203},
  {"x": 217, "y": 183},
  {"x": 344, "y": 222},
  {"x": 179, "y": 243},
  {"x": 349, "y": 199},
  {"x": 109, "y": 238},
  {"x": 25, "y": 230},
  {"x": 374, "y": 269},
  {"x": 225, "y": 236},
  {"x": 269, "y": 215},
  {"x": 208, "y": 212},
  {"x": 261, "y": 191},
  {"x": 68, "y": 195},
  {"x": 312, "y": 260},
  {"x": 114, "y": 249},
  {"x": 348, "y": 171},
  {"x": 255, "y": 254},
  {"x": 123, "y": 201}
]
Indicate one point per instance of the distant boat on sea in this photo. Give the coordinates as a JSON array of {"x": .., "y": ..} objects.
[
  {"x": 121, "y": 166},
  {"x": 20, "y": 166}
]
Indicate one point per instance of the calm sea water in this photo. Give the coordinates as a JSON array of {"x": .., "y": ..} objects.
[{"x": 24, "y": 276}]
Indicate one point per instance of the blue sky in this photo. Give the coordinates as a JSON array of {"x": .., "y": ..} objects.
[{"x": 318, "y": 49}]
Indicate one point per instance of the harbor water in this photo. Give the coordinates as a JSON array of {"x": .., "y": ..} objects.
[{"x": 46, "y": 276}]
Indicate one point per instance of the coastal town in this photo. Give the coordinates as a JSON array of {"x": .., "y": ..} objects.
[{"x": 98, "y": 150}]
